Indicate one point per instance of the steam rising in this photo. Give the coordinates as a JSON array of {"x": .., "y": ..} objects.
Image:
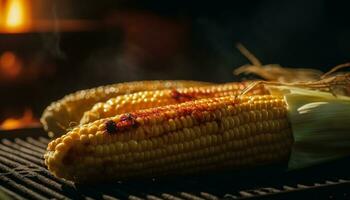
[{"x": 51, "y": 41}]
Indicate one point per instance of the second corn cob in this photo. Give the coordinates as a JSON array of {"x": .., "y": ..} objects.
[
  {"x": 196, "y": 136},
  {"x": 66, "y": 112}
]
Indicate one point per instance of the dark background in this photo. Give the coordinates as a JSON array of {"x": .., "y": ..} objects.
[{"x": 171, "y": 40}]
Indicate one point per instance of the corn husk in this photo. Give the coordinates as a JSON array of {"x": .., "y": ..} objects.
[{"x": 320, "y": 122}]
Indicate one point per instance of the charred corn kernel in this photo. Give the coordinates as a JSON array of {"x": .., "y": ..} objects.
[
  {"x": 62, "y": 114},
  {"x": 223, "y": 140},
  {"x": 148, "y": 99}
]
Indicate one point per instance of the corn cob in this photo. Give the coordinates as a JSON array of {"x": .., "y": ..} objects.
[
  {"x": 62, "y": 114},
  {"x": 148, "y": 99},
  {"x": 196, "y": 136}
]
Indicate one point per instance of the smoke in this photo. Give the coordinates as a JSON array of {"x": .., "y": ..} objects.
[
  {"x": 116, "y": 64},
  {"x": 109, "y": 65},
  {"x": 215, "y": 38},
  {"x": 51, "y": 41}
]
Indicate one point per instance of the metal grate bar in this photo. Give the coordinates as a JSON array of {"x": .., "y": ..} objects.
[
  {"x": 22, "y": 149},
  {"x": 209, "y": 196},
  {"x": 146, "y": 190},
  {"x": 107, "y": 197},
  {"x": 59, "y": 184},
  {"x": 286, "y": 187},
  {"x": 23, "y": 189},
  {"x": 21, "y": 154},
  {"x": 31, "y": 172},
  {"x": 44, "y": 140},
  {"x": 31, "y": 183},
  {"x": 171, "y": 197},
  {"x": 204, "y": 187},
  {"x": 152, "y": 197},
  {"x": 36, "y": 143},
  {"x": 30, "y": 146},
  {"x": 42, "y": 169},
  {"x": 132, "y": 197},
  {"x": 11, "y": 194},
  {"x": 249, "y": 194},
  {"x": 164, "y": 190},
  {"x": 26, "y": 151},
  {"x": 193, "y": 186},
  {"x": 190, "y": 196}
]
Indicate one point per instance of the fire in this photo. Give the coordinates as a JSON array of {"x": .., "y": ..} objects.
[
  {"x": 16, "y": 16},
  {"x": 27, "y": 120}
]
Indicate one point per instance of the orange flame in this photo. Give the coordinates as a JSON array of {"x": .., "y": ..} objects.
[
  {"x": 27, "y": 120},
  {"x": 16, "y": 16}
]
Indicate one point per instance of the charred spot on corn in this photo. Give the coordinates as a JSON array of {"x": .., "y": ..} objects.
[
  {"x": 111, "y": 127},
  {"x": 127, "y": 121},
  {"x": 181, "y": 97},
  {"x": 127, "y": 117}
]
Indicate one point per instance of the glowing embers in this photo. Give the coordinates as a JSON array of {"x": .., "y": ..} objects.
[
  {"x": 26, "y": 120},
  {"x": 10, "y": 65}
]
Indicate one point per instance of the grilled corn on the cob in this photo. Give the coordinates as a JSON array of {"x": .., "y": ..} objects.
[
  {"x": 207, "y": 134},
  {"x": 61, "y": 115},
  {"x": 148, "y": 99}
]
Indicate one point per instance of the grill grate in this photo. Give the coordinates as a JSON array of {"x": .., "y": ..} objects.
[{"x": 24, "y": 176}]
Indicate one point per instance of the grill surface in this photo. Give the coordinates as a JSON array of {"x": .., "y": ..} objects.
[{"x": 24, "y": 176}]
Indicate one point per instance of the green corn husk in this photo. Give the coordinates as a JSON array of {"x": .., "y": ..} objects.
[{"x": 320, "y": 123}]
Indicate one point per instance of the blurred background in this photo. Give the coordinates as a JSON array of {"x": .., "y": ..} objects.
[{"x": 51, "y": 48}]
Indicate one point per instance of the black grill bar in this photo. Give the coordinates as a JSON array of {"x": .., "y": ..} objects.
[
  {"x": 21, "y": 154},
  {"x": 10, "y": 193},
  {"x": 25, "y": 150},
  {"x": 30, "y": 171},
  {"x": 30, "y": 146},
  {"x": 31, "y": 164},
  {"x": 21, "y": 188},
  {"x": 107, "y": 197},
  {"x": 29, "y": 182},
  {"x": 170, "y": 197},
  {"x": 24, "y": 176},
  {"x": 44, "y": 140},
  {"x": 37, "y": 143},
  {"x": 209, "y": 196},
  {"x": 152, "y": 197}
]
